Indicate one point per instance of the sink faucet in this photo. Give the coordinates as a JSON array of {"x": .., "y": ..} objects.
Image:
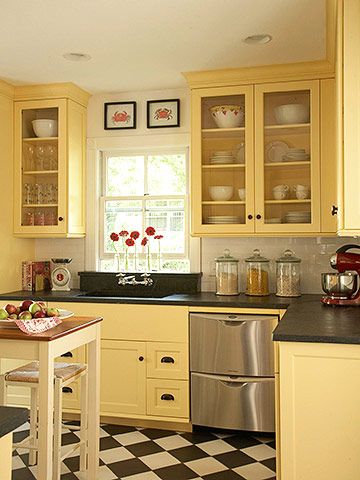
[{"x": 131, "y": 280}]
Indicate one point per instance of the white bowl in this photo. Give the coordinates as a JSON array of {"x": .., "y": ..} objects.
[
  {"x": 221, "y": 193},
  {"x": 292, "y": 113},
  {"x": 45, "y": 127},
  {"x": 242, "y": 194},
  {"x": 227, "y": 116}
]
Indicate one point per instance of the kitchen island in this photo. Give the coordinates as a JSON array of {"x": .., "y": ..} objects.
[{"x": 10, "y": 419}]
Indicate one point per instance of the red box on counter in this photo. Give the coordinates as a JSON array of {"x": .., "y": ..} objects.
[{"x": 36, "y": 276}]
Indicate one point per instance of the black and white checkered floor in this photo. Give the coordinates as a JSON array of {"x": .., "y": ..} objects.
[{"x": 145, "y": 454}]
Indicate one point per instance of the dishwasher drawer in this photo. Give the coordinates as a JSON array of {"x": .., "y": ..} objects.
[
  {"x": 235, "y": 403},
  {"x": 232, "y": 344}
]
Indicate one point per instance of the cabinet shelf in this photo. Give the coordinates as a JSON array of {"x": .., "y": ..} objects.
[
  {"x": 224, "y": 165},
  {"x": 40, "y": 205},
  {"x": 227, "y": 202},
  {"x": 40, "y": 139},
  {"x": 223, "y": 132},
  {"x": 279, "y": 202},
  {"x": 291, "y": 129},
  {"x": 40, "y": 172},
  {"x": 290, "y": 164}
]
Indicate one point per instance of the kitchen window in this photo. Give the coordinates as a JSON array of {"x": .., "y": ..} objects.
[{"x": 141, "y": 189}]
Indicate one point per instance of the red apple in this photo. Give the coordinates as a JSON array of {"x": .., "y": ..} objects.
[
  {"x": 24, "y": 305},
  {"x": 10, "y": 308},
  {"x": 52, "y": 312},
  {"x": 40, "y": 314},
  {"x": 25, "y": 315},
  {"x": 35, "y": 307}
]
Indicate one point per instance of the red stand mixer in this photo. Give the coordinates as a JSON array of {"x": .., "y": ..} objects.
[{"x": 342, "y": 288}]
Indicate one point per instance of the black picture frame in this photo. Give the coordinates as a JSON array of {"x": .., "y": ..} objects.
[
  {"x": 124, "y": 108},
  {"x": 153, "y": 106}
]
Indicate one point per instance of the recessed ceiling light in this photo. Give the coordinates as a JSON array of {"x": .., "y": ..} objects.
[
  {"x": 77, "y": 57},
  {"x": 258, "y": 39}
]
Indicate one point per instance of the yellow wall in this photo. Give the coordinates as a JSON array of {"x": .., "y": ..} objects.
[{"x": 12, "y": 250}]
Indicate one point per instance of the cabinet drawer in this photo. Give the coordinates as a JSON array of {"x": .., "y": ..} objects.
[
  {"x": 73, "y": 356},
  {"x": 167, "y": 360},
  {"x": 168, "y": 398}
]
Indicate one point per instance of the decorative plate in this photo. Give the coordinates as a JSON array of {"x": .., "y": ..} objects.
[{"x": 274, "y": 151}]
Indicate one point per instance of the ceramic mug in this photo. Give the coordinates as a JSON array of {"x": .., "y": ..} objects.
[
  {"x": 242, "y": 193},
  {"x": 280, "y": 192},
  {"x": 302, "y": 192}
]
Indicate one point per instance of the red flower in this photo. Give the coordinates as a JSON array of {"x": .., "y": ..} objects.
[
  {"x": 158, "y": 237},
  {"x": 130, "y": 242},
  {"x": 124, "y": 233},
  {"x": 144, "y": 241},
  {"x": 135, "y": 235},
  {"x": 150, "y": 231},
  {"x": 114, "y": 237}
]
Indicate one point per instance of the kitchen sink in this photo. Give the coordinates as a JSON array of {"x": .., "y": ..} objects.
[{"x": 134, "y": 293}]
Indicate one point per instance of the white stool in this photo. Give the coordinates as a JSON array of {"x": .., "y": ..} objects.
[{"x": 64, "y": 375}]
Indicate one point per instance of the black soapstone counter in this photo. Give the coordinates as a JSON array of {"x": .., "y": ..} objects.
[
  {"x": 306, "y": 318},
  {"x": 12, "y": 418}
]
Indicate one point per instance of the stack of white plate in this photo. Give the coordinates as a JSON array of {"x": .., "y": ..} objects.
[
  {"x": 222, "y": 157},
  {"x": 298, "y": 217},
  {"x": 296, "y": 155},
  {"x": 222, "y": 219}
]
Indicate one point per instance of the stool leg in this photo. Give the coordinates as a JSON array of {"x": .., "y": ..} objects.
[
  {"x": 33, "y": 426},
  {"x": 83, "y": 421},
  {"x": 57, "y": 429},
  {"x": 3, "y": 398}
]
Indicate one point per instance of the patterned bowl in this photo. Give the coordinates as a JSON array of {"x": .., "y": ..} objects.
[{"x": 228, "y": 116}]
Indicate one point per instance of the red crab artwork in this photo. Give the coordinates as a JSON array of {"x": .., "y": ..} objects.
[
  {"x": 121, "y": 117},
  {"x": 163, "y": 114}
]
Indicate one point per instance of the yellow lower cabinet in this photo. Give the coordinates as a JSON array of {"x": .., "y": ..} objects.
[
  {"x": 123, "y": 377},
  {"x": 168, "y": 398},
  {"x": 320, "y": 411},
  {"x": 6, "y": 456},
  {"x": 167, "y": 360}
]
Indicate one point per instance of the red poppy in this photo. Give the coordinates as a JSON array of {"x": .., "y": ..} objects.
[
  {"x": 150, "y": 231},
  {"x": 144, "y": 241},
  {"x": 158, "y": 237},
  {"x": 114, "y": 237},
  {"x": 135, "y": 235},
  {"x": 130, "y": 242},
  {"x": 124, "y": 233}
]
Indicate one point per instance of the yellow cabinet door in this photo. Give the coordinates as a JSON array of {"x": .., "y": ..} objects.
[
  {"x": 123, "y": 377},
  {"x": 222, "y": 172},
  {"x": 168, "y": 398},
  {"x": 167, "y": 360},
  {"x": 319, "y": 411},
  {"x": 287, "y": 157}
]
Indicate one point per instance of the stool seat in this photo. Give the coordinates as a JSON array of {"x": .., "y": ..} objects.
[{"x": 29, "y": 373}]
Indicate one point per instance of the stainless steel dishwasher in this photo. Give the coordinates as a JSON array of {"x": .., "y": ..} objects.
[{"x": 232, "y": 371}]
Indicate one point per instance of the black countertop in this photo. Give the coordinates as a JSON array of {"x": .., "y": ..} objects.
[
  {"x": 306, "y": 318},
  {"x": 12, "y": 418}
]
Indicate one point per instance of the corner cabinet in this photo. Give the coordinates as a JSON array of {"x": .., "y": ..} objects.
[
  {"x": 49, "y": 171},
  {"x": 264, "y": 176}
]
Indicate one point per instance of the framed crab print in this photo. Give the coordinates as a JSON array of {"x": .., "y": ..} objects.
[
  {"x": 163, "y": 113},
  {"x": 119, "y": 115}
]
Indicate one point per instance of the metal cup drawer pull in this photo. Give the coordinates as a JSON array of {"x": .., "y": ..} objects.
[
  {"x": 167, "y": 360},
  {"x": 67, "y": 354},
  {"x": 67, "y": 390},
  {"x": 167, "y": 396}
]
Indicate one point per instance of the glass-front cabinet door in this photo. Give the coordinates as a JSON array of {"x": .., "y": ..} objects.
[
  {"x": 287, "y": 157},
  {"x": 40, "y": 152},
  {"x": 222, "y": 161}
]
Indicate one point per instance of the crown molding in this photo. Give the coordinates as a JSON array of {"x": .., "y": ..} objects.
[
  {"x": 52, "y": 91},
  {"x": 6, "y": 89}
]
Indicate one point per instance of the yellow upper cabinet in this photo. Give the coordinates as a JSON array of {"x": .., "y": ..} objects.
[
  {"x": 256, "y": 155},
  {"x": 49, "y": 163},
  {"x": 348, "y": 115}
]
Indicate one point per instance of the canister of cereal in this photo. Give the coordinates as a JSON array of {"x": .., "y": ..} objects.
[
  {"x": 227, "y": 277},
  {"x": 288, "y": 275}
]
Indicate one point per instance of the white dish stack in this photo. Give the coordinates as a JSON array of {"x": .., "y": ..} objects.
[
  {"x": 298, "y": 217},
  {"x": 222, "y": 157},
  {"x": 296, "y": 155},
  {"x": 223, "y": 219}
]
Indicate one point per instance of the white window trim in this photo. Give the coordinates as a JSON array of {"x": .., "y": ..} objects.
[{"x": 95, "y": 149}]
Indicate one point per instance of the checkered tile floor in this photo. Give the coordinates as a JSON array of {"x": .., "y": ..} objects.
[{"x": 145, "y": 454}]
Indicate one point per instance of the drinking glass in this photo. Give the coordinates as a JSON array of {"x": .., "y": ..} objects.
[
  {"x": 49, "y": 218},
  {"x": 27, "y": 193},
  {"x": 29, "y": 157},
  {"x": 40, "y": 154},
  {"x": 28, "y": 218},
  {"x": 52, "y": 153},
  {"x": 39, "y": 218},
  {"x": 39, "y": 193}
]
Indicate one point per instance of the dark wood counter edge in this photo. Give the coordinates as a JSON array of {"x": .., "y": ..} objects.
[
  {"x": 12, "y": 418},
  {"x": 56, "y": 332}
]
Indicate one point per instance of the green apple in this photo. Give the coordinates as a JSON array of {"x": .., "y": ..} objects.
[
  {"x": 52, "y": 312},
  {"x": 13, "y": 316},
  {"x": 3, "y": 314},
  {"x": 35, "y": 307},
  {"x": 25, "y": 315}
]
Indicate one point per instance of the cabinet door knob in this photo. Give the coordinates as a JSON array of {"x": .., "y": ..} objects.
[
  {"x": 61, "y": 219},
  {"x": 67, "y": 390},
  {"x": 167, "y": 396},
  {"x": 334, "y": 210},
  {"x": 167, "y": 360},
  {"x": 67, "y": 354},
  {"x": 258, "y": 216},
  {"x": 250, "y": 217},
  {"x": 141, "y": 358}
]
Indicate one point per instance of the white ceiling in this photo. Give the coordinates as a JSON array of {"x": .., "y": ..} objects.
[{"x": 146, "y": 44}]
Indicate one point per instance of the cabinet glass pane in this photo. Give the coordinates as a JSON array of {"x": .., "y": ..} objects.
[
  {"x": 39, "y": 167},
  {"x": 223, "y": 161},
  {"x": 287, "y": 157}
]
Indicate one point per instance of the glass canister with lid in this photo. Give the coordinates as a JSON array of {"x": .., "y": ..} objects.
[
  {"x": 227, "y": 276},
  {"x": 257, "y": 274},
  {"x": 288, "y": 275}
]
